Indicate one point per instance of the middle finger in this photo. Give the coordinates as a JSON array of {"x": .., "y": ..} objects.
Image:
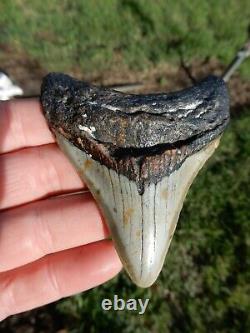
[
  {"x": 30, "y": 232},
  {"x": 34, "y": 173}
]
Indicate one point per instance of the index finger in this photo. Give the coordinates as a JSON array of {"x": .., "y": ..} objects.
[{"x": 22, "y": 125}]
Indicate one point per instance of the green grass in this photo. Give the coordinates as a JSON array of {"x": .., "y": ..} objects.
[
  {"x": 98, "y": 35},
  {"x": 204, "y": 286}
]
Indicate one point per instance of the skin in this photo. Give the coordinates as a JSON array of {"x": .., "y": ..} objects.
[{"x": 52, "y": 245}]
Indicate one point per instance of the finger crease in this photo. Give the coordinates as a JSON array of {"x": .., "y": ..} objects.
[
  {"x": 50, "y": 176},
  {"x": 54, "y": 177},
  {"x": 8, "y": 302},
  {"x": 20, "y": 132},
  {"x": 52, "y": 278},
  {"x": 41, "y": 230}
]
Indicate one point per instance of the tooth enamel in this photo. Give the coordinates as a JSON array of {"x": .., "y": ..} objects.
[
  {"x": 138, "y": 154},
  {"x": 142, "y": 226}
]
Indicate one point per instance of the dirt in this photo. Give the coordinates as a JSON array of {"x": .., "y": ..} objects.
[{"x": 28, "y": 73}]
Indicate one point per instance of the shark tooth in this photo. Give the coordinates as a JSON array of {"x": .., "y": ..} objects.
[{"x": 138, "y": 154}]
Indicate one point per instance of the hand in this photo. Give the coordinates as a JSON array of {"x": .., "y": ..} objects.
[{"x": 50, "y": 246}]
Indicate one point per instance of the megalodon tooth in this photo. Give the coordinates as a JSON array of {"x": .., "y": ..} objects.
[{"x": 138, "y": 154}]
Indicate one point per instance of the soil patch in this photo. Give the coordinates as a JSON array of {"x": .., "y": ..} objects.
[{"x": 28, "y": 73}]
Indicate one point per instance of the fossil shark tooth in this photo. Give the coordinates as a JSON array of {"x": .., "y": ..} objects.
[{"x": 138, "y": 154}]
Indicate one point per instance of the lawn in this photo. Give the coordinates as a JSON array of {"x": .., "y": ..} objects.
[
  {"x": 87, "y": 36},
  {"x": 204, "y": 286}
]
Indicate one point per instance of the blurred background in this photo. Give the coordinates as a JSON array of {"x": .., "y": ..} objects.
[{"x": 159, "y": 46}]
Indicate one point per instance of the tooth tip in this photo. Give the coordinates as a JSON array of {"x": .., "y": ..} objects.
[
  {"x": 144, "y": 282},
  {"x": 144, "y": 271}
]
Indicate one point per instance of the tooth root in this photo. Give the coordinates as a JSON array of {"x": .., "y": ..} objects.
[{"x": 141, "y": 226}]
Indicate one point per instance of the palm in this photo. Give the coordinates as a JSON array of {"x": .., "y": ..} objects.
[{"x": 50, "y": 246}]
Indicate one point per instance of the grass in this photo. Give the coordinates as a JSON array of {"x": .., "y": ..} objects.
[{"x": 89, "y": 36}]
